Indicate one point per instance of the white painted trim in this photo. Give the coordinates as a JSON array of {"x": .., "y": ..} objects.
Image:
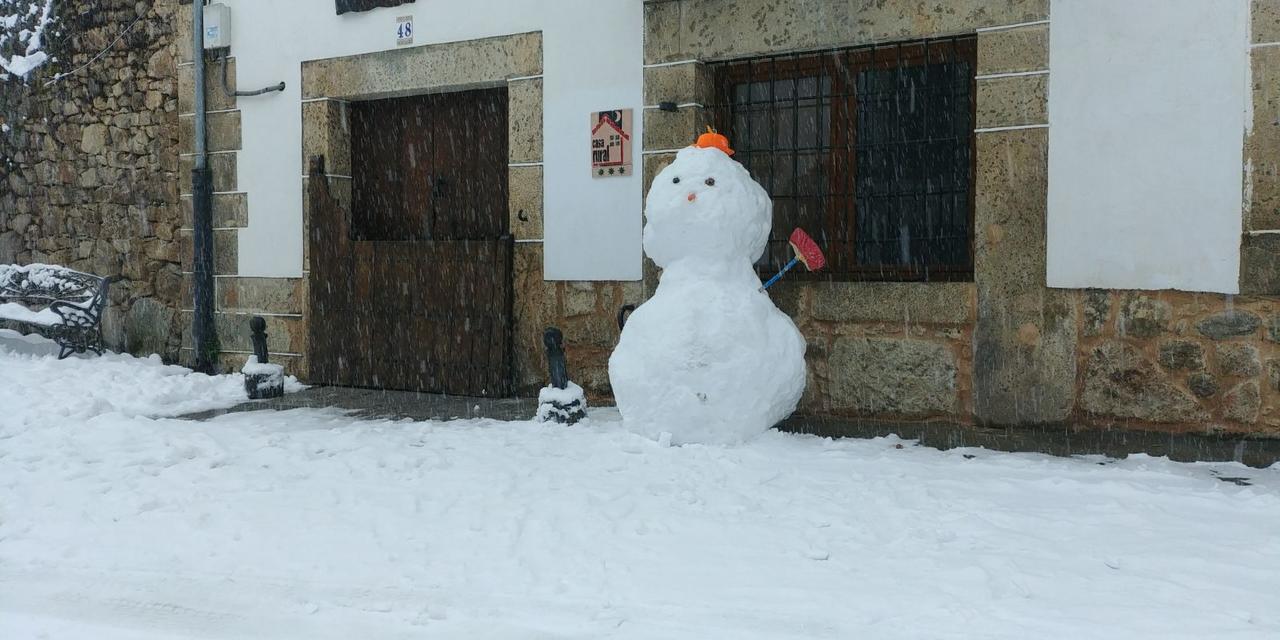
[
  {"x": 1012, "y": 128},
  {"x": 236, "y": 275},
  {"x": 264, "y": 314},
  {"x": 1263, "y": 232},
  {"x": 1012, "y": 74},
  {"x": 1260, "y": 45},
  {"x": 323, "y": 99},
  {"x": 192, "y": 62},
  {"x": 330, "y": 175},
  {"x": 524, "y": 164},
  {"x": 216, "y": 193},
  {"x": 672, "y": 64},
  {"x": 211, "y": 153},
  {"x": 520, "y": 78},
  {"x": 209, "y": 112},
  {"x": 249, "y": 353},
  {"x": 679, "y": 106},
  {"x": 191, "y": 230},
  {"x": 650, "y": 152},
  {"x": 1006, "y": 27},
  {"x": 530, "y": 241}
]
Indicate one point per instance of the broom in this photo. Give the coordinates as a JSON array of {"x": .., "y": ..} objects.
[{"x": 807, "y": 251}]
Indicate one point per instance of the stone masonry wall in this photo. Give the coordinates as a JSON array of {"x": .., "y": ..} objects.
[
  {"x": 88, "y": 167},
  {"x": 901, "y": 350},
  {"x": 280, "y": 301},
  {"x": 1004, "y": 350},
  {"x": 1179, "y": 361}
]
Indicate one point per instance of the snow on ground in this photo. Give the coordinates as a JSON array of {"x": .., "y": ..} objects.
[
  {"x": 45, "y": 390},
  {"x": 116, "y": 524}
]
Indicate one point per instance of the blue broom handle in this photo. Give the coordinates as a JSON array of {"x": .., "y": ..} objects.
[{"x": 780, "y": 273}]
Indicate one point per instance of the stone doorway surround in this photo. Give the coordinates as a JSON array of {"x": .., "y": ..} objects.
[{"x": 329, "y": 85}]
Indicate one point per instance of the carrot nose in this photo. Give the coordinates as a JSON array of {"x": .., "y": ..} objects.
[{"x": 692, "y": 197}]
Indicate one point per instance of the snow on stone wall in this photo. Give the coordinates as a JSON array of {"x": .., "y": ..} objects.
[
  {"x": 89, "y": 165},
  {"x": 23, "y": 24}
]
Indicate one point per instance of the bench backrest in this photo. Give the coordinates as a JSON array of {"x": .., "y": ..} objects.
[{"x": 46, "y": 283}]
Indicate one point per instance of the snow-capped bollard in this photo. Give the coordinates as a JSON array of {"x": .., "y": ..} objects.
[
  {"x": 566, "y": 406},
  {"x": 261, "y": 378},
  {"x": 561, "y": 401}
]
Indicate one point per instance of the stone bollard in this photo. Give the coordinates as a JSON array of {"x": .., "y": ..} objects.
[
  {"x": 561, "y": 401},
  {"x": 261, "y": 378}
]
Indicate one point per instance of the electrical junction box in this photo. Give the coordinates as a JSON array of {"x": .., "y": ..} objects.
[{"x": 217, "y": 26}]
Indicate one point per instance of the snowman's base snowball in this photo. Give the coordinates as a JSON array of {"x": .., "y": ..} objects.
[
  {"x": 565, "y": 406},
  {"x": 709, "y": 359}
]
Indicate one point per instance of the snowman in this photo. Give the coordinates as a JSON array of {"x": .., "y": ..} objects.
[{"x": 709, "y": 358}]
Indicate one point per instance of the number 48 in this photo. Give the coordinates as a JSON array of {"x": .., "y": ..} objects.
[{"x": 405, "y": 30}]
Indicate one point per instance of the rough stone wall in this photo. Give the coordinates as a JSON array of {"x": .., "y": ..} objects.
[
  {"x": 585, "y": 311},
  {"x": 1004, "y": 349},
  {"x": 1260, "y": 247},
  {"x": 88, "y": 168},
  {"x": 891, "y": 350},
  {"x": 1179, "y": 361},
  {"x": 964, "y": 352},
  {"x": 280, "y": 301}
]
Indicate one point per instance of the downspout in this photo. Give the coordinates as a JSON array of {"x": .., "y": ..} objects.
[{"x": 204, "y": 337}]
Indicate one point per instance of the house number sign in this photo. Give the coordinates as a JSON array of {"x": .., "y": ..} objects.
[{"x": 404, "y": 31}]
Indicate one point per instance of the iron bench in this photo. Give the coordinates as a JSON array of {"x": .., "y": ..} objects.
[{"x": 56, "y": 302}]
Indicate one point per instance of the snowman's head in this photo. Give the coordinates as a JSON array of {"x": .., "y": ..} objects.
[{"x": 705, "y": 205}]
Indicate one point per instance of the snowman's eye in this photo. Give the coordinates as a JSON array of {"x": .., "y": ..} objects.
[
  {"x": 711, "y": 182},
  {"x": 675, "y": 180}
]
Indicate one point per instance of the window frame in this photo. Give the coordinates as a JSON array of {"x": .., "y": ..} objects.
[
  {"x": 358, "y": 6},
  {"x": 838, "y": 208}
]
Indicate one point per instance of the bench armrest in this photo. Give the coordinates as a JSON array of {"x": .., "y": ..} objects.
[{"x": 76, "y": 315}]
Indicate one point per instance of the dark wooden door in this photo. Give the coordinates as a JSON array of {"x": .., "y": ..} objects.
[{"x": 426, "y": 262}]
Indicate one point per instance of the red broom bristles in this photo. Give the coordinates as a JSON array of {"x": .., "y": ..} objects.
[{"x": 807, "y": 250}]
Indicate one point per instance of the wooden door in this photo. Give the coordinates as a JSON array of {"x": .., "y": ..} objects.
[{"x": 427, "y": 256}]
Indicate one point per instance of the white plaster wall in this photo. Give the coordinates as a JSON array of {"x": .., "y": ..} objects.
[
  {"x": 1147, "y": 104},
  {"x": 592, "y": 60}
]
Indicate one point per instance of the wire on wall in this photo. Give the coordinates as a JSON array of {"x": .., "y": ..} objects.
[{"x": 94, "y": 59}]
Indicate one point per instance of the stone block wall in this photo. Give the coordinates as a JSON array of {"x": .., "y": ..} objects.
[
  {"x": 585, "y": 311},
  {"x": 1260, "y": 246},
  {"x": 1003, "y": 350},
  {"x": 1178, "y": 361},
  {"x": 89, "y": 164},
  {"x": 237, "y": 298},
  {"x": 903, "y": 350},
  {"x": 891, "y": 350}
]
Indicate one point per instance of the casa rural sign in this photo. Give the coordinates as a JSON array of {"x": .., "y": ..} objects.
[{"x": 611, "y": 143}]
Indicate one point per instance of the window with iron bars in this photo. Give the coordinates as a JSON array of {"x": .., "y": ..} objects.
[{"x": 869, "y": 149}]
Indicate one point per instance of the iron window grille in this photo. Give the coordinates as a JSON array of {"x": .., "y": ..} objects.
[
  {"x": 348, "y": 6},
  {"x": 869, "y": 149}
]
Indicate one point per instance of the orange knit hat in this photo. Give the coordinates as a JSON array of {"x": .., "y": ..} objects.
[{"x": 713, "y": 140}]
